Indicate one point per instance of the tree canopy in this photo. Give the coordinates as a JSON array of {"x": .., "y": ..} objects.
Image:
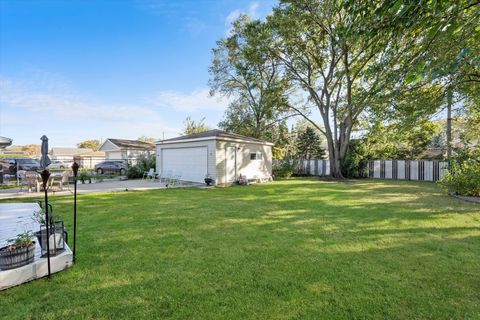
[
  {"x": 93, "y": 144},
  {"x": 347, "y": 62},
  {"x": 192, "y": 127},
  {"x": 241, "y": 69}
]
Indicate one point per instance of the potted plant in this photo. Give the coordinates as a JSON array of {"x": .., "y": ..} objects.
[
  {"x": 208, "y": 180},
  {"x": 57, "y": 232},
  {"x": 20, "y": 251},
  {"x": 83, "y": 176}
]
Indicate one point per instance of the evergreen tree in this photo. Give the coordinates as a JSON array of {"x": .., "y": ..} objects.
[{"x": 308, "y": 145}]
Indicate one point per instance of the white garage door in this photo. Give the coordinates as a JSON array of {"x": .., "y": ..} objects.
[{"x": 191, "y": 163}]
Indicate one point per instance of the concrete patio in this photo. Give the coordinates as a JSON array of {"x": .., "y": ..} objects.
[{"x": 106, "y": 186}]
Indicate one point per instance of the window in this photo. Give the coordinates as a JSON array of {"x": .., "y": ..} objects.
[{"x": 256, "y": 156}]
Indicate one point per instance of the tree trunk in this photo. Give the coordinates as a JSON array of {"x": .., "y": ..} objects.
[
  {"x": 449, "y": 124},
  {"x": 335, "y": 157}
]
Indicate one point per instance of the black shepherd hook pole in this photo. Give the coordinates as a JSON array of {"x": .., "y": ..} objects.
[
  {"x": 45, "y": 176},
  {"x": 75, "y": 172}
]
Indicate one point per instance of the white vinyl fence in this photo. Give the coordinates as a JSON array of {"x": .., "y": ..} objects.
[
  {"x": 419, "y": 170},
  {"x": 308, "y": 167}
]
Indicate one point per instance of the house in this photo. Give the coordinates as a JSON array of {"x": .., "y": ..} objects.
[
  {"x": 90, "y": 159},
  {"x": 67, "y": 154},
  {"x": 5, "y": 142},
  {"x": 122, "y": 149},
  {"x": 221, "y": 155}
]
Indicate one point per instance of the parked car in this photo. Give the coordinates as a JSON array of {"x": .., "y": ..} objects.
[
  {"x": 8, "y": 165},
  {"x": 111, "y": 167},
  {"x": 58, "y": 164},
  {"x": 11, "y": 165}
]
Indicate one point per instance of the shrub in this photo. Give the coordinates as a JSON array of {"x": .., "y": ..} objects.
[
  {"x": 83, "y": 175},
  {"x": 355, "y": 164},
  {"x": 463, "y": 177},
  {"x": 285, "y": 168},
  {"x": 143, "y": 164}
]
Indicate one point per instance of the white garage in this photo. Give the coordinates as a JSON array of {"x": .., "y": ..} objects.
[
  {"x": 221, "y": 155},
  {"x": 189, "y": 163}
]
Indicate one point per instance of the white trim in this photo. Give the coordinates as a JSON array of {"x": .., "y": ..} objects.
[
  {"x": 214, "y": 138},
  {"x": 100, "y": 148}
]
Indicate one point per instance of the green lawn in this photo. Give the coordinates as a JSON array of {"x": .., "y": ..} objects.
[{"x": 298, "y": 249}]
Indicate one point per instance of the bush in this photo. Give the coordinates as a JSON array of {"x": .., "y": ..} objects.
[
  {"x": 83, "y": 175},
  {"x": 285, "y": 169},
  {"x": 143, "y": 165},
  {"x": 355, "y": 164},
  {"x": 463, "y": 177}
]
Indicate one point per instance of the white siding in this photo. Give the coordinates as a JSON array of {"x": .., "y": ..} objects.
[
  {"x": 114, "y": 155},
  {"x": 253, "y": 169},
  {"x": 108, "y": 146}
]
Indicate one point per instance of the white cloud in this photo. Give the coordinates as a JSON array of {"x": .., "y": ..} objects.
[
  {"x": 197, "y": 100},
  {"x": 67, "y": 111},
  {"x": 65, "y": 104},
  {"x": 251, "y": 11}
]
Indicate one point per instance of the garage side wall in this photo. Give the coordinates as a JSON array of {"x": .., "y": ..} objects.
[
  {"x": 253, "y": 169},
  {"x": 211, "y": 154}
]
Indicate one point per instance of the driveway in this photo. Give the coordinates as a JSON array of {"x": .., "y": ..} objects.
[{"x": 107, "y": 186}]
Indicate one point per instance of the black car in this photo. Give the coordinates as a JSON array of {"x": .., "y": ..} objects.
[
  {"x": 111, "y": 167},
  {"x": 11, "y": 165}
]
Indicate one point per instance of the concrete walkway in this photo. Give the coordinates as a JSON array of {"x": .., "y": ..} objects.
[{"x": 107, "y": 186}]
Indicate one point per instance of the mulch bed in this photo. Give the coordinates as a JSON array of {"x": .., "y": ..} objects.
[{"x": 466, "y": 198}]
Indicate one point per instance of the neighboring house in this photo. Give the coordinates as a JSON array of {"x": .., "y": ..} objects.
[
  {"x": 121, "y": 149},
  {"x": 67, "y": 154},
  {"x": 90, "y": 159},
  {"x": 5, "y": 142},
  {"x": 221, "y": 155}
]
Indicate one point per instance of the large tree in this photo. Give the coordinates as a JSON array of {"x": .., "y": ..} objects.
[
  {"x": 353, "y": 59},
  {"x": 242, "y": 70},
  {"x": 340, "y": 58}
]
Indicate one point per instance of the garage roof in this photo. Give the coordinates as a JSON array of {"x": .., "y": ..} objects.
[
  {"x": 131, "y": 144},
  {"x": 214, "y": 135}
]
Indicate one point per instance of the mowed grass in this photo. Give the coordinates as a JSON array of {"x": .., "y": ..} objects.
[{"x": 297, "y": 249}]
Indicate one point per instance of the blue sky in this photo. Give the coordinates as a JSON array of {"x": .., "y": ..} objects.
[{"x": 77, "y": 70}]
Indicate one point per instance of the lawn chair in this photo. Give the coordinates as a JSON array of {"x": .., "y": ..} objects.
[
  {"x": 54, "y": 180},
  {"x": 22, "y": 180},
  {"x": 176, "y": 179},
  {"x": 151, "y": 174},
  {"x": 65, "y": 180},
  {"x": 33, "y": 181},
  {"x": 168, "y": 178}
]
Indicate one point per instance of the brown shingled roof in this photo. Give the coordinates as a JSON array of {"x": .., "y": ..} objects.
[
  {"x": 132, "y": 144},
  {"x": 215, "y": 133}
]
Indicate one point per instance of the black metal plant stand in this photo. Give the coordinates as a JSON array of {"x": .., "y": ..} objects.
[
  {"x": 75, "y": 172},
  {"x": 45, "y": 176}
]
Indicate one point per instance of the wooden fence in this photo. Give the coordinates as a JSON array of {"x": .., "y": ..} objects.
[{"x": 418, "y": 170}]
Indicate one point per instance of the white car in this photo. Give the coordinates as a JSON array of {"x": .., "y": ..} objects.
[{"x": 58, "y": 164}]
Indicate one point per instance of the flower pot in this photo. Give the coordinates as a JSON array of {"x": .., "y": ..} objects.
[
  {"x": 57, "y": 236},
  {"x": 11, "y": 259}
]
